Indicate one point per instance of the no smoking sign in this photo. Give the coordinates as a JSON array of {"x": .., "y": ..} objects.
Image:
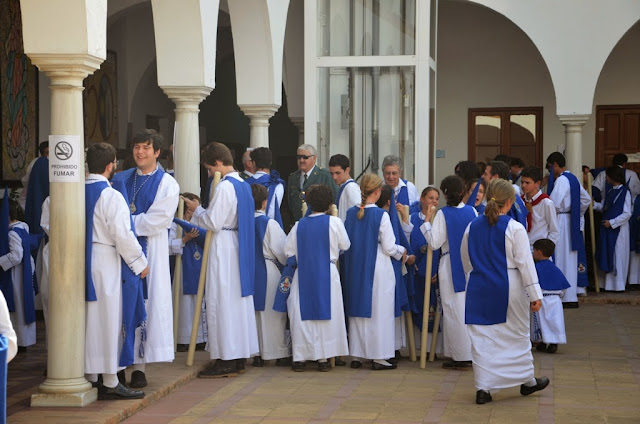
[{"x": 66, "y": 165}]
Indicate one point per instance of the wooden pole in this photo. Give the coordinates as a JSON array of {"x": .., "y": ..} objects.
[
  {"x": 203, "y": 279},
  {"x": 434, "y": 334},
  {"x": 334, "y": 212},
  {"x": 593, "y": 233},
  {"x": 177, "y": 279},
  {"x": 427, "y": 301},
  {"x": 304, "y": 208},
  {"x": 409, "y": 321}
]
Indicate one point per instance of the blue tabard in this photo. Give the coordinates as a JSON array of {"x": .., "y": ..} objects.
[
  {"x": 634, "y": 226},
  {"x": 284, "y": 285},
  {"x": 29, "y": 243},
  {"x": 480, "y": 209},
  {"x": 614, "y": 201},
  {"x": 487, "y": 296},
  {"x": 342, "y": 187},
  {"x": 403, "y": 194},
  {"x": 551, "y": 181},
  {"x": 457, "y": 220},
  {"x": 92, "y": 193},
  {"x": 360, "y": 260},
  {"x": 519, "y": 211},
  {"x": 260, "y": 294},
  {"x": 577, "y": 240},
  {"x": 6, "y": 281},
  {"x": 4, "y": 350},
  {"x": 314, "y": 267},
  {"x": 37, "y": 191},
  {"x": 414, "y": 207},
  {"x": 550, "y": 276},
  {"x": 404, "y": 284},
  {"x": 246, "y": 235},
  {"x": 270, "y": 182},
  {"x": 190, "y": 265}
]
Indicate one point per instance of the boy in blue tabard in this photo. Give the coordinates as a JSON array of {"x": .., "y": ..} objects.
[
  {"x": 190, "y": 246},
  {"x": 269, "y": 178},
  {"x": 270, "y": 260},
  {"x": 315, "y": 306},
  {"x": 612, "y": 253},
  {"x": 231, "y": 319},
  {"x": 547, "y": 325},
  {"x": 348, "y": 190}
]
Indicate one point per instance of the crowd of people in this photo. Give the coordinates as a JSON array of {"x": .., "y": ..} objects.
[{"x": 346, "y": 280}]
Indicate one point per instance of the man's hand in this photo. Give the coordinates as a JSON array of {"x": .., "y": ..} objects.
[
  {"x": 191, "y": 205},
  {"x": 144, "y": 272},
  {"x": 411, "y": 259},
  {"x": 536, "y": 305}
]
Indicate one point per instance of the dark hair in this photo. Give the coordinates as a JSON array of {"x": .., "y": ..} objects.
[
  {"x": 616, "y": 174},
  {"x": 546, "y": 246},
  {"x": 385, "y": 196},
  {"x": 427, "y": 189},
  {"x": 532, "y": 172},
  {"x": 619, "y": 159},
  {"x": 260, "y": 194},
  {"x": 504, "y": 158},
  {"x": 42, "y": 146},
  {"x": 557, "y": 157},
  {"x": 481, "y": 167},
  {"x": 468, "y": 170},
  {"x": 213, "y": 152},
  {"x": 499, "y": 168},
  {"x": 340, "y": 160},
  {"x": 585, "y": 168},
  {"x": 262, "y": 157},
  {"x": 99, "y": 155},
  {"x": 319, "y": 197},
  {"x": 517, "y": 162},
  {"x": 15, "y": 210},
  {"x": 453, "y": 189},
  {"x": 467, "y": 186},
  {"x": 190, "y": 196},
  {"x": 148, "y": 136}
]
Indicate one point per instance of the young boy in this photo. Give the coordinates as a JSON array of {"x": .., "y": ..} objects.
[
  {"x": 547, "y": 325},
  {"x": 315, "y": 303},
  {"x": 542, "y": 221},
  {"x": 269, "y": 259},
  {"x": 349, "y": 191}
]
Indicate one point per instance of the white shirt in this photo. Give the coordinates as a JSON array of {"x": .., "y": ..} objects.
[
  {"x": 629, "y": 175},
  {"x": 544, "y": 223},
  {"x": 349, "y": 198}
]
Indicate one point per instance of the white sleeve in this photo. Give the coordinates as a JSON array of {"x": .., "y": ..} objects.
[
  {"x": 412, "y": 191},
  {"x": 159, "y": 216},
  {"x": 436, "y": 234},
  {"x": 343, "y": 239},
  {"x": 291, "y": 243},
  {"x": 6, "y": 329},
  {"x": 14, "y": 257},
  {"x": 275, "y": 238},
  {"x": 634, "y": 183},
  {"x": 625, "y": 215},
  {"x": 44, "y": 218},
  {"x": 126, "y": 243},
  {"x": 552, "y": 220},
  {"x": 214, "y": 217},
  {"x": 524, "y": 260},
  {"x": 175, "y": 242},
  {"x": 464, "y": 252},
  {"x": 354, "y": 197},
  {"x": 585, "y": 200},
  {"x": 599, "y": 181},
  {"x": 388, "y": 240}
]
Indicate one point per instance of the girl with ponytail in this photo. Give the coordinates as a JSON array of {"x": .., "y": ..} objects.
[{"x": 369, "y": 283}]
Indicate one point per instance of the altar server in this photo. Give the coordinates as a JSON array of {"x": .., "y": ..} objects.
[{"x": 348, "y": 190}]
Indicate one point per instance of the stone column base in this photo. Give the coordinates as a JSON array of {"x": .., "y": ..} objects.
[{"x": 65, "y": 399}]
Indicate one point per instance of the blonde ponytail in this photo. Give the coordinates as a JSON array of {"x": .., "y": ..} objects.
[
  {"x": 498, "y": 193},
  {"x": 369, "y": 184}
]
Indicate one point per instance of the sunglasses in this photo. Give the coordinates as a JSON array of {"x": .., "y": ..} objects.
[{"x": 305, "y": 157}]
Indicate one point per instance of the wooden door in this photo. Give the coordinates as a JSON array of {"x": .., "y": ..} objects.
[{"x": 617, "y": 131}]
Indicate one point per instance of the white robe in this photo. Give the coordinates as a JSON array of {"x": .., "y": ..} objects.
[
  {"x": 544, "y": 222},
  {"x": 154, "y": 224},
  {"x": 565, "y": 258},
  {"x": 271, "y": 324},
  {"x": 616, "y": 281},
  {"x": 13, "y": 261},
  {"x": 187, "y": 302},
  {"x": 112, "y": 239},
  {"x": 349, "y": 198},
  {"x": 231, "y": 319},
  {"x": 634, "y": 268},
  {"x": 549, "y": 320},
  {"x": 42, "y": 264},
  {"x": 319, "y": 339},
  {"x": 6, "y": 329},
  {"x": 374, "y": 337},
  {"x": 629, "y": 176},
  {"x": 502, "y": 352},
  {"x": 457, "y": 344}
]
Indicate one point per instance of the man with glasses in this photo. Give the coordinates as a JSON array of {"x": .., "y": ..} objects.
[{"x": 306, "y": 175}]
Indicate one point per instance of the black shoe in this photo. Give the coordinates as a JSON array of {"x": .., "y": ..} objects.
[
  {"x": 97, "y": 384},
  {"x": 393, "y": 361},
  {"x": 240, "y": 365},
  {"x": 379, "y": 367},
  {"x": 182, "y": 348},
  {"x": 220, "y": 369},
  {"x": 119, "y": 392},
  {"x": 22, "y": 349},
  {"x": 541, "y": 347},
  {"x": 457, "y": 365},
  {"x": 201, "y": 346},
  {"x": 570, "y": 305},
  {"x": 138, "y": 380},
  {"x": 284, "y": 362},
  {"x": 398, "y": 355},
  {"x": 541, "y": 383},
  {"x": 324, "y": 366},
  {"x": 483, "y": 397},
  {"x": 552, "y": 348},
  {"x": 340, "y": 362},
  {"x": 257, "y": 361},
  {"x": 122, "y": 378},
  {"x": 634, "y": 287},
  {"x": 297, "y": 366},
  {"x": 356, "y": 364}
]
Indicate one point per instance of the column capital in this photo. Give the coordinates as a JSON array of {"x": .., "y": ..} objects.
[
  {"x": 259, "y": 111},
  {"x": 187, "y": 95},
  {"x": 574, "y": 120},
  {"x": 61, "y": 66}
]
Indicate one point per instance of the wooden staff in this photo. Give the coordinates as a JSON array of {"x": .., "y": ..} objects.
[
  {"x": 197, "y": 314},
  {"x": 304, "y": 208},
  {"x": 334, "y": 212},
  {"x": 593, "y": 233},
  {"x": 434, "y": 333},
  {"x": 408, "y": 317},
  {"x": 427, "y": 300},
  {"x": 177, "y": 280}
]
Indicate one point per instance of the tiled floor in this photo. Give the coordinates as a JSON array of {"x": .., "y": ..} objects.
[{"x": 595, "y": 378}]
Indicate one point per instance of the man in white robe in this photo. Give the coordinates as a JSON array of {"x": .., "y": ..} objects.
[{"x": 349, "y": 191}]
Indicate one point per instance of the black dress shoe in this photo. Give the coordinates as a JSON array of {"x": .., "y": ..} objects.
[
  {"x": 284, "y": 362},
  {"x": 340, "y": 362},
  {"x": 297, "y": 366},
  {"x": 379, "y": 367},
  {"x": 324, "y": 366},
  {"x": 457, "y": 365},
  {"x": 356, "y": 364},
  {"x": 240, "y": 365},
  {"x": 138, "y": 380},
  {"x": 393, "y": 361},
  {"x": 22, "y": 349},
  {"x": 570, "y": 305},
  {"x": 541, "y": 347},
  {"x": 541, "y": 383},
  {"x": 220, "y": 369},
  {"x": 483, "y": 397},
  {"x": 119, "y": 392},
  {"x": 122, "y": 379},
  {"x": 257, "y": 361},
  {"x": 552, "y": 348},
  {"x": 200, "y": 346},
  {"x": 182, "y": 347}
]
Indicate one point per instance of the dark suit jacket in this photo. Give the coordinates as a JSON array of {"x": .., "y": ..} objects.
[{"x": 318, "y": 176}]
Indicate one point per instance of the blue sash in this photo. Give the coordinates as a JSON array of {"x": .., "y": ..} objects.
[
  {"x": 551, "y": 181},
  {"x": 284, "y": 286},
  {"x": 342, "y": 187},
  {"x": 260, "y": 294},
  {"x": 457, "y": 220},
  {"x": 480, "y": 209},
  {"x": 404, "y": 284},
  {"x": 191, "y": 257},
  {"x": 92, "y": 193},
  {"x": 246, "y": 235},
  {"x": 487, "y": 297},
  {"x": 550, "y": 277},
  {"x": 360, "y": 260},
  {"x": 270, "y": 182},
  {"x": 6, "y": 281},
  {"x": 403, "y": 194},
  {"x": 634, "y": 226},
  {"x": 614, "y": 201},
  {"x": 4, "y": 350},
  {"x": 519, "y": 211},
  {"x": 37, "y": 191},
  {"x": 314, "y": 268},
  {"x": 29, "y": 244},
  {"x": 577, "y": 241},
  {"x": 471, "y": 201}
]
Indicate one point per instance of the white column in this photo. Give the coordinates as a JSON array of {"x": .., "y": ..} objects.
[
  {"x": 573, "y": 125},
  {"x": 298, "y": 121},
  {"x": 259, "y": 116},
  {"x": 186, "y": 149},
  {"x": 65, "y": 384}
]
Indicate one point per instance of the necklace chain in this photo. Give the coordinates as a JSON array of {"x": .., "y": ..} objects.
[{"x": 132, "y": 205}]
